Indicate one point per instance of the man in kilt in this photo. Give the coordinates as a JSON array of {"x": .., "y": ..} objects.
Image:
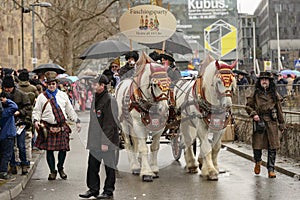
[{"x": 52, "y": 108}]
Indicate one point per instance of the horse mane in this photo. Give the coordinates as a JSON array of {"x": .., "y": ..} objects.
[
  {"x": 208, "y": 59},
  {"x": 141, "y": 63}
]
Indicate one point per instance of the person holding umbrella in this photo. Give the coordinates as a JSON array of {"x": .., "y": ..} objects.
[{"x": 51, "y": 110}]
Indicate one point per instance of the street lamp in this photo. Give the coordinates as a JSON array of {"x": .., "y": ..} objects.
[
  {"x": 41, "y": 4},
  {"x": 278, "y": 10},
  {"x": 23, "y": 10}
]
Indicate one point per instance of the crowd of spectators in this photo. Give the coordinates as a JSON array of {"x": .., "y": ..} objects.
[
  {"x": 287, "y": 85},
  {"x": 18, "y": 92}
]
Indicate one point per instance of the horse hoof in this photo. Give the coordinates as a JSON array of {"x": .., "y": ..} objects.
[
  {"x": 212, "y": 178},
  {"x": 147, "y": 178},
  {"x": 156, "y": 175},
  {"x": 192, "y": 170},
  {"x": 136, "y": 172}
]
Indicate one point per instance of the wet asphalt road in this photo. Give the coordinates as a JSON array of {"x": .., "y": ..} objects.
[{"x": 238, "y": 181}]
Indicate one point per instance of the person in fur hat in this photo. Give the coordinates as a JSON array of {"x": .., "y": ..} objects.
[{"x": 128, "y": 69}]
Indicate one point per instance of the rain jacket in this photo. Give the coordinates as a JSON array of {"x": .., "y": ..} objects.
[{"x": 7, "y": 121}]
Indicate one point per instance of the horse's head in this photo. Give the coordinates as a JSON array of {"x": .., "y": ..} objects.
[
  {"x": 225, "y": 83},
  {"x": 155, "y": 89},
  {"x": 159, "y": 82}
]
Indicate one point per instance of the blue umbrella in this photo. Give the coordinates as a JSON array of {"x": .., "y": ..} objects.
[
  {"x": 286, "y": 72},
  {"x": 73, "y": 78},
  {"x": 297, "y": 73},
  {"x": 291, "y": 72}
]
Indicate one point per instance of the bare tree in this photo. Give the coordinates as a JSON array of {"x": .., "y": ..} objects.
[{"x": 73, "y": 25}]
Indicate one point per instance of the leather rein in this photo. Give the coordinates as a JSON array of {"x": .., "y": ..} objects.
[
  {"x": 158, "y": 78},
  {"x": 205, "y": 108}
]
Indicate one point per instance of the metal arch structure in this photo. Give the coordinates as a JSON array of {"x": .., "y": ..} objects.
[{"x": 220, "y": 38}]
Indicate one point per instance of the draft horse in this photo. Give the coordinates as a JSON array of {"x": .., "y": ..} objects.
[
  {"x": 205, "y": 106},
  {"x": 143, "y": 110}
]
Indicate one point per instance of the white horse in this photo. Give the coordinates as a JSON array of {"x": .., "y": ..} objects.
[
  {"x": 143, "y": 110},
  {"x": 205, "y": 106}
]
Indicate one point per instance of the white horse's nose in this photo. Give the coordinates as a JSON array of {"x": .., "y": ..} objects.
[{"x": 226, "y": 103}]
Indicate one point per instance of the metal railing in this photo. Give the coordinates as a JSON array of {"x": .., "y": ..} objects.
[{"x": 291, "y": 96}]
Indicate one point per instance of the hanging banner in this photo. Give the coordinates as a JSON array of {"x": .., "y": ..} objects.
[
  {"x": 148, "y": 24},
  {"x": 210, "y": 9}
]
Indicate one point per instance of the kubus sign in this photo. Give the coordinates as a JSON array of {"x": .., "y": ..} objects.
[
  {"x": 148, "y": 24},
  {"x": 208, "y": 9}
]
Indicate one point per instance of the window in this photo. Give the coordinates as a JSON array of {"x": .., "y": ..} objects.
[
  {"x": 19, "y": 47},
  {"x": 10, "y": 46}
]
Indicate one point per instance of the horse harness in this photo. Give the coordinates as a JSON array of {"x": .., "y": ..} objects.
[
  {"x": 134, "y": 98},
  {"x": 215, "y": 118}
]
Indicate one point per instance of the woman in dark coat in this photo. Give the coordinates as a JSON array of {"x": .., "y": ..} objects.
[{"x": 265, "y": 105}]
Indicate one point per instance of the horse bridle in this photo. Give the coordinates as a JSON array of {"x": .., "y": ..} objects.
[
  {"x": 225, "y": 74},
  {"x": 227, "y": 78},
  {"x": 159, "y": 77}
]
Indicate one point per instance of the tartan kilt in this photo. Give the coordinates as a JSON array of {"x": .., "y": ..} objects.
[{"x": 55, "y": 141}]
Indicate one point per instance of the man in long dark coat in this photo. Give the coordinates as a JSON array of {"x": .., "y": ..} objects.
[
  {"x": 265, "y": 106},
  {"x": 103, "y": 140}
]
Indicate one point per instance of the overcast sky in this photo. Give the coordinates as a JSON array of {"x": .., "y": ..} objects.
[{"x": 247, "y": 6}]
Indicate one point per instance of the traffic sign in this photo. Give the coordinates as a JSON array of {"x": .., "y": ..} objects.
[
  {"x": 297, "y": 63},
  {"x": 34, "y": 60},
  {"x": 268, "y": 65}
]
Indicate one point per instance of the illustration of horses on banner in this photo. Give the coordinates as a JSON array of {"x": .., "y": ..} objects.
[
  {"x": 143, "y": 111},
  {"x": 205, "y": 106}
]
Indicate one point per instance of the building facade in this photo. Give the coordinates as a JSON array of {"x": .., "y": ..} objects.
[
  {"x": 11, "y": 36},
  {"x": 246, "y": 26},
  {"x": 288, "y": 12}
]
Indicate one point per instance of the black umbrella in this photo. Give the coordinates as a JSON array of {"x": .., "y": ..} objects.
[
  {"x": 175, "y": 44},
  {"x": 49, "y": 67},
  {"x": 105, "y": 49}
]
